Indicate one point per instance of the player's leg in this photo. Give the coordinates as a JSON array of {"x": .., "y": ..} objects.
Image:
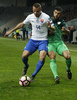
[
  {"x": 63, "y": 51},
  {"x": 40, "y": 62},
  {"x": 67, "y": 56},
  {"x": 52, "y": 56},
  {"x": 53, "y": 65},
  {"x": 43, "y": 52},
  {"x": 25, "y": 61},
  {"x": 17, "y": 36},
  {"x": 29, "y": 49}
]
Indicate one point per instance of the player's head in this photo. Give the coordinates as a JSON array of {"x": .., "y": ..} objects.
[
  {"x": 57, "y": 12},
  {"x": 37, "y": 9}
]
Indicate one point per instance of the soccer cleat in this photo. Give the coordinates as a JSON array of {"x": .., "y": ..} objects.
[
  {"x": 32, "y": 78},
  {"x": 25, "y": 70},
  {"x": 57, "y": 80},
  {"x": 69, "y": 74}
]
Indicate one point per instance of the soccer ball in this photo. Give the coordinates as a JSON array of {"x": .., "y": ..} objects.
[{"x": 24, "y": 80}]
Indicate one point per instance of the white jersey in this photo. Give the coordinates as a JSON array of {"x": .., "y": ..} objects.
[{"x": 39, "y": 25}]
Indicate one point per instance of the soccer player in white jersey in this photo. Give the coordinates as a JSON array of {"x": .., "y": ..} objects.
[{"x": 40, "y": 23}]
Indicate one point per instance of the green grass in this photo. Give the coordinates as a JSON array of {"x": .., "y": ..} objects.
[{"x": 44, "y": 87}]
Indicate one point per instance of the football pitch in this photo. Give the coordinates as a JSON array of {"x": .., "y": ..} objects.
[{"x": 44, "y": 87}]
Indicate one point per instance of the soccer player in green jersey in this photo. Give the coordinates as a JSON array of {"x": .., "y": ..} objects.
[{"x": 56, "y": 44}]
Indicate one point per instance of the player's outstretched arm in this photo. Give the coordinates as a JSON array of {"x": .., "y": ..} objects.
[{"x": 17, "y": 27}]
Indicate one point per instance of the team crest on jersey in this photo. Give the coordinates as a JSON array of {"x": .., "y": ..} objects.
[
  {"x": 58, "y": 23},
  {"x": 42, "y": 20}
]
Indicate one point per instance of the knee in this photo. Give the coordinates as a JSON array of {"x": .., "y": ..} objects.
[
  {"x": 25, "y": 54},
  {"x": 43, "y": 55},
  {"x": 67, "y": 55},
  {"x": 42, "y": 58},
  {"x": 52, "y": 55}
]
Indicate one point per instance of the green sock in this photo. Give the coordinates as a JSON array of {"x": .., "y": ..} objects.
[
  {"x": 68, "y": 62},
  {"x": 53, "y": 67}
]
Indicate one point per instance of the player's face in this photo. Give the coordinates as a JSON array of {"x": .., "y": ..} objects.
[
  {"x": 37, "y": 11},
  {"x": 57, "y": 14}
]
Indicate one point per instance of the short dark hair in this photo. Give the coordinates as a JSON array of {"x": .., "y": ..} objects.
[
  {"x": 36, "y": 5},
  {"x": 59, "y": 9}
]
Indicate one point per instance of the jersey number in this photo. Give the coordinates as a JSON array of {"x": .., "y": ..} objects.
[{"x": 38, "y": 27}]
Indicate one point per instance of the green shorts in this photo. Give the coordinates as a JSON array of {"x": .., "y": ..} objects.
[{"x": 57, "y": 47}]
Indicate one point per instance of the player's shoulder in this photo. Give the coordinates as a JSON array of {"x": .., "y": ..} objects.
[
  {"x": 62, "y": 20},
  {"x": 30, "y": 15}
]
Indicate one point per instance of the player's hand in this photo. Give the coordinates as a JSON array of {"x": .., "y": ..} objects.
[
  {"x": 66, "y": 31},
  {"x": 50, "y": 32},
  {"x": 7, "y": 33},
  {"x": 63, "y": 29}
]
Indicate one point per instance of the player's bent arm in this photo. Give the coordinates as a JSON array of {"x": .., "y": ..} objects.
[
  {"x": 66, "y": 31},
  {"x": 20, "y": 25},
  {"x": 50, "y": 27},
  {"x": 51, "y": 30}
]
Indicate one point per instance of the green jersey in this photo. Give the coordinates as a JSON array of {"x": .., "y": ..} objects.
[{"x": 57, "y": 36}]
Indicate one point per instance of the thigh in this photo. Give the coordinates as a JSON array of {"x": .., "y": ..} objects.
[
  {"x": 61, "y": 48},
  {"x": 51, "y": 47},
  {"x": 31, "y": 47},
  {"x": 43, "y": 45}
]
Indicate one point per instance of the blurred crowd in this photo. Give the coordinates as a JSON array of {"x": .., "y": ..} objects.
[
  {"x": 70, "y": 13},
  {"x": 22, "y": 33},
  {"x": 2, "y": 32}
]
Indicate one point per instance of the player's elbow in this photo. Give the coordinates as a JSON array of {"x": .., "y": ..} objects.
[{"x": 20, "y": 25}]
